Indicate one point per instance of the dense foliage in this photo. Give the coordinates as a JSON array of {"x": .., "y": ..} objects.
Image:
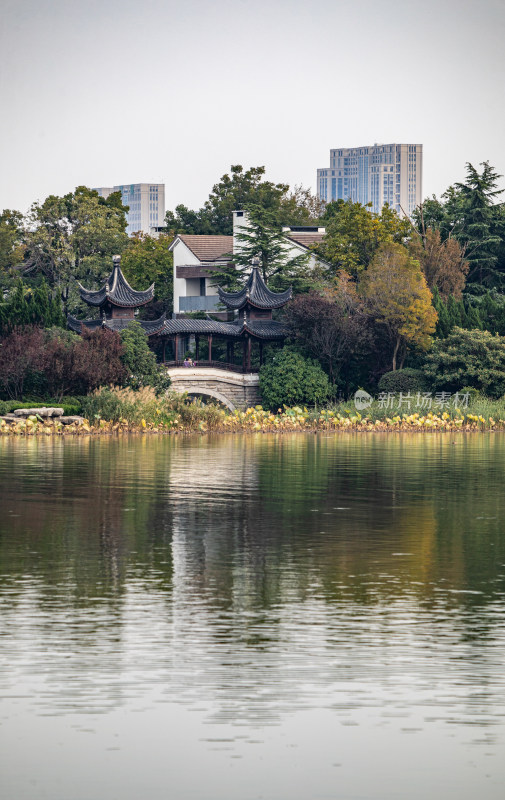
[
  {"x": 404, "y": 380},
  {"x": 140, "y": 361},
  {"x": 354, "y": 234},
  {"x": 145, "y": 409},
  {"x": 468, "y": 213},
  {"x": 289, "y": 379},
  {"x": 468, "y": 358},
  {"x": 145, "y": 261},
  {"x": 26, "y": 306},
  {"x": 54, "y": 362},
  {"x": 396, "y": 294},
  {"x": 332, "y": 328},
  {"x": 262, "y": 239},
  {"x": 240, "y": 190}
]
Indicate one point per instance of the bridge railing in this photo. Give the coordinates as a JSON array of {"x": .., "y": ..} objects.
[{"x": 215, "y": 364}]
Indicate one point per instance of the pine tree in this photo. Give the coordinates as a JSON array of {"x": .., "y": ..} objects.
[
  {"x": 479, "y": 224},
  {"x": 454, "y": 312},
  {"x": 443, "y": 325},
  {"x": 40, "y": 303},
  {"x": 18, "y": 312},
  {"x": 473, "y": 319},
  {"x": 262, "y": 238}
]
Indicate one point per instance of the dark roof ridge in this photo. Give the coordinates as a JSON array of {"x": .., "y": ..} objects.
[
  {"x": 256, "y": 293},
  {"x": 150, "y": 327},
  {"x": 117, "y": 291}
]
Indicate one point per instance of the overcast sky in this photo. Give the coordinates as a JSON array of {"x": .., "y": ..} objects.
[{"x": 104, "y": 92}]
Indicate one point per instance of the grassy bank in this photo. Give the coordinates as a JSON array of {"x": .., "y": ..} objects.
[{"x": 112, "y": 410}]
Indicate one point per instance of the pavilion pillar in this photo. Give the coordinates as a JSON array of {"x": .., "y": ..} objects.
[
  {"x": 228, "y": 352},
  {"x": 176, "y": 347},
  {"x": 249, "y": 345},
  {"x": 232, "y": 352},
  {"x": 164, "y": 345},
  {"x": 244, "y": 354},
  {"x": 210, "y": 347},
  {"x": 197, "y": 348},
  {"x": 261, "y": 352}
]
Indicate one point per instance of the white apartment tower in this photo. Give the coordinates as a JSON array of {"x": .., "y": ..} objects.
[
  {"x": 380, "y": 174},
  {"x": 146, "y": 202}
]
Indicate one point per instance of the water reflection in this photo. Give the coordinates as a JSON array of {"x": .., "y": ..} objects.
[{"x": 251, "y": 579}]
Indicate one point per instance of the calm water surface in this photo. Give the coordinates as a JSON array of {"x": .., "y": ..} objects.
[{"x": 289, "y": 618}]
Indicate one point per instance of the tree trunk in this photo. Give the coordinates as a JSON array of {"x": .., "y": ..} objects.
[{"x": 395, "y": 352}]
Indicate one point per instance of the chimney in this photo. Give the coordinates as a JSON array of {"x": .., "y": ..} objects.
[{"x": 240, "y": 220}]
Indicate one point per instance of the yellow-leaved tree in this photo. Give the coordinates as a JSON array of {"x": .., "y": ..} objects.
[{"x": 396, "y": 294}]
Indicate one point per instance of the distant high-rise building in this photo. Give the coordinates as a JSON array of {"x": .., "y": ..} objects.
[
  {"x": 380, "y": 174},
  {"x": 146, "y": 202}
]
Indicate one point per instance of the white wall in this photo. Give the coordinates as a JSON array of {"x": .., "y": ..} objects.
[{"x": 182, "y": 257}]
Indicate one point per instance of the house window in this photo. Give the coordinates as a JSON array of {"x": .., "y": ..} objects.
[{"x": 202, "y": 287}]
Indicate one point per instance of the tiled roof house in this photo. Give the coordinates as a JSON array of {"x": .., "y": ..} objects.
[{"x": 195, "y": 258}]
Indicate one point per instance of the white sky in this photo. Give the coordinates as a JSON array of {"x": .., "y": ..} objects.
[{"x": 104, "y": 92}]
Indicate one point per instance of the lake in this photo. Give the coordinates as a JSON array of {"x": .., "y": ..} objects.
[{"x": 286, "y": 617}]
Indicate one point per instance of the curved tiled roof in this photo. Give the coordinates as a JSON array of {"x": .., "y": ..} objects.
[
  {"x": 268, "y": 329},
  {"x": 117, "y": 291},
  {"x": 256, "y": 293},
  {"x": 201, "y": 326},
  {"x": 150, "y": 327},
  {"x": 261, "y": 329}
]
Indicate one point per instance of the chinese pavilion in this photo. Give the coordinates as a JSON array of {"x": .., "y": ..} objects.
[
  {"x": 253, "y": 306},
  {"x": 117, "y": 302},
  {"x": 253, "y": 324}
]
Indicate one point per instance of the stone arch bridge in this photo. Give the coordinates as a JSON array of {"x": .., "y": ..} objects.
[{"x": 234, "y": 389}]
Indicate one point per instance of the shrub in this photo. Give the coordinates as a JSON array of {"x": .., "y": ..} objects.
[
  {"x": 97, "y": 360},
  {"x": 468, "y": 358},
  {"x": 404, "y": 380},
  {"x": 71, "y": 406},
  {"x": 140, "y": 361},
  {"x": 134, "y": 406},
  {"x": 20, "y": 353},
  {"x": 53, "y": 363},
  {"x": 289, "y": 379}
]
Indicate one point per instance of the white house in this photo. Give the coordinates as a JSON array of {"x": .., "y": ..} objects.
[{"x": 195, "y": 257}]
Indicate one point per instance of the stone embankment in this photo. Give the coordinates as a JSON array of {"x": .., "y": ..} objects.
[{"x": 42, "y": 413}]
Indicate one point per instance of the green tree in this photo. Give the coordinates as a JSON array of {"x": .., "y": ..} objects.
[
  {"x": 443, "y": 326},
  {"x": 354, "y": 233},
  {"x": 11, "y": 244},
  {"x": 468, "y": 358},
  {"x": 262, "y": 238},
  {"x": 289, "y": 379},
  {"x": 468, "y": 213},
  {"x": 140, "y": 361},
  {"x": 239, "y": 190},
  {"x": 329, "y": 327},
  {"x": 28, "y": 305},
  {"x": 396, "y": 294},
  {"x": 480, "y": 228},
  {"x": 147, "y": 260},
  {"x": 73, "y": 238},
  {"x": 442, "y": 261}
]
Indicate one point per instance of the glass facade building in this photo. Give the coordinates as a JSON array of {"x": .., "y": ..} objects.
[
  {"x": 146, "y": 203},
  {"x": 377, "y": 174}
]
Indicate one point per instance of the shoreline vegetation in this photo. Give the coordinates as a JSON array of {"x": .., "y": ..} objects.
[{"x": 112, "y": 410}]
